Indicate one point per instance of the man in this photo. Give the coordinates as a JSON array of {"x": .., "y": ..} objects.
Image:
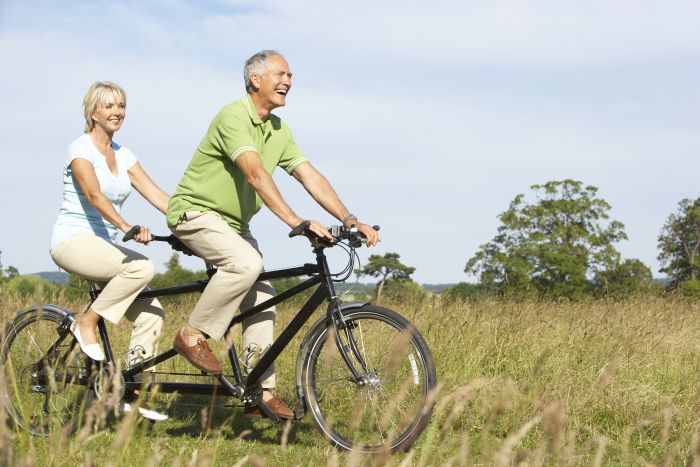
[{"x": 222, "y": 188}]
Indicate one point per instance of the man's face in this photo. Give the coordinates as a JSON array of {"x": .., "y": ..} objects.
[{"x": 274, "y": 84}]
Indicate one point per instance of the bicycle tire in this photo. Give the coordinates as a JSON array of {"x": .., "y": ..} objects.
[
  {"x": 391, "y": 411},
  {"x": 46, "y": 389}
]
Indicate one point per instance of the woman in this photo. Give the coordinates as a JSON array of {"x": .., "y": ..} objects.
[{"x": 97, "y": 178}]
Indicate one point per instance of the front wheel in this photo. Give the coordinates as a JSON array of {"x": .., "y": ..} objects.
[
  {"x": 389, "y": 406},
  {"x": 44, "y": 371}
]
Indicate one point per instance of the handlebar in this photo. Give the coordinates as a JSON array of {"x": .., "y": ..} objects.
[
  {"x": 338, "y": 232},
  {"x": 171, "y": 239}
]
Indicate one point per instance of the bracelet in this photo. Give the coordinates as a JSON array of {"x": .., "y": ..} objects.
[{"x": 349, "y": 217}]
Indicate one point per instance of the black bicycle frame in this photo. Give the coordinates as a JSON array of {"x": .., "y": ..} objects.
[{"x": 319, "y": 273}]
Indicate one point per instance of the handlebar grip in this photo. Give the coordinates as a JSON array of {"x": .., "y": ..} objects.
[
  {"x": 131, "y": 233},
  {"x": 376, "y": 228},
  {"x": 299, "y": 229}
]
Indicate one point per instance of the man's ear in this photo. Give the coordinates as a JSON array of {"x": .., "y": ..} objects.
[{"x": 255, "y": 81}]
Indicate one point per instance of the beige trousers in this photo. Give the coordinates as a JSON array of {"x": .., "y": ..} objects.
[
  {"x": 233, "y": 287},
  {"x": 122, "y": 274}
]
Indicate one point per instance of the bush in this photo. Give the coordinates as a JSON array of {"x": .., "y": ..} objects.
[
  {"x": 29, "y": 285},
  {"x": 691, "y": 288},
  {"x": 396, "y": 289},
  {"x": 464, "y": 292}
]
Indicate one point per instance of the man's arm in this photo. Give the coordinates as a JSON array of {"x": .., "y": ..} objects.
[
  {"x": 321, "y": 190},
  {"x": 249, "y": 163}
]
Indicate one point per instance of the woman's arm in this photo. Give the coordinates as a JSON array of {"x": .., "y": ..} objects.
[
  {"x": 148, "y": 188},
  {"x": 85, "y": 175}
]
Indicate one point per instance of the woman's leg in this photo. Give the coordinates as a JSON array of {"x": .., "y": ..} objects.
[{"x": 124, "y": 271}]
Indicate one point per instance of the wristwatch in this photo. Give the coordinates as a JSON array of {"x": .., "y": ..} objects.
[{"x": 349, "y": 217}]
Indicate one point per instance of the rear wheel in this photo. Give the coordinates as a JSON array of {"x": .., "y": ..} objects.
[
  {"x": 391, "y": 403},
  {"x": 45, "y": 373}
]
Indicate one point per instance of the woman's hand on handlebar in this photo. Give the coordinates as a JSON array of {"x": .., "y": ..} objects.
[{"x": 142, "y": 235}]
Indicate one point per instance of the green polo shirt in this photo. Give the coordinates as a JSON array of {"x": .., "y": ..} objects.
[{"x": 213, "y": 182}]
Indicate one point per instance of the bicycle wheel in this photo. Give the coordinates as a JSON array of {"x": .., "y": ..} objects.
[
  {"x": 45, "y": 373},
  {"x": 392, "y": 403}
]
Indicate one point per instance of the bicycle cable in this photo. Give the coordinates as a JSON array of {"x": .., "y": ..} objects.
[{"x": 349, "y": 268}]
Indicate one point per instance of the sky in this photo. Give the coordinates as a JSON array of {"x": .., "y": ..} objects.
[{"x": 427, "y": 117}]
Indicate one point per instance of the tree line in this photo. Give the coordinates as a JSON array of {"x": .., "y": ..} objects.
[
  {"x": 560, "y": 243},
  {"x": 557, "y": 243}
]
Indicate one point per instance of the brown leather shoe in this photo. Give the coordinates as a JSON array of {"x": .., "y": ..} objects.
[
  {"x": 199, "y": 355},
  {"x": 276, "y": 405}
]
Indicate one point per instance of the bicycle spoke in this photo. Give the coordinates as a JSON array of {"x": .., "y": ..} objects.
[
  {"x": 45, "y": 394},
  {"x": 378, "y": 412}
]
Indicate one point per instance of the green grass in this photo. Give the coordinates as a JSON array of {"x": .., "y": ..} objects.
[{"x": 604, "y": 382}]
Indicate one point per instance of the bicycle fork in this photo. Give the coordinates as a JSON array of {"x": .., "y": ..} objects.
[{"x": 351, "y": 349}]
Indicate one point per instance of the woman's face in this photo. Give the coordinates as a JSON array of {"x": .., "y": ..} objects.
[{"x": 109, "y": 114}]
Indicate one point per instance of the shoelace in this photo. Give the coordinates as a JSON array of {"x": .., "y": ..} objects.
[{"x": 204, "y": 345}]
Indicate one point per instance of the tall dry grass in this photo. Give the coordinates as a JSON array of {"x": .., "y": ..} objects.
[{"x": 528, "y": 382}]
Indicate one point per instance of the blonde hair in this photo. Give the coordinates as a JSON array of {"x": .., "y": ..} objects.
[{"x": 97, "y": 95}]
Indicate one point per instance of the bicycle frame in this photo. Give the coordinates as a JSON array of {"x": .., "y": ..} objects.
[{"x": 248, "y": 389}]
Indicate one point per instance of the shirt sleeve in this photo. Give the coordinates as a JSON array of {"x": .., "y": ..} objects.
[
  {"x": 235, "y": 137},
  {"x": 292, "y": 157},
  {"x": 79, "y": 150}
]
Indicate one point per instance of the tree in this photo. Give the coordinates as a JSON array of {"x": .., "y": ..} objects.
[
  {"x": 76, "y": 289},
  {"x": 679, "y": 243},
  {"x": 11, "y": 271},
  {"x": 624, "y": 279},
  {"x": 550, "y": 246},
  {"x": 175, "y": 274},
  {"x": 385, "y": 267}
]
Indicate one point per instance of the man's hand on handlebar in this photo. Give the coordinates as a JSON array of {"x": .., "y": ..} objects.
[
  {"x": 371, "y": 235},
  {"x": 355, "y": 236},
  {"x": 320, "y": 231}
]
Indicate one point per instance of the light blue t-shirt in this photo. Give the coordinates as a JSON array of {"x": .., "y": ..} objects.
[{"x": 77, "y": 214}]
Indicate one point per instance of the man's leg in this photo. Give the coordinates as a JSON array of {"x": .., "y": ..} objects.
[
  {"x": 258, "y": 330},
  {"x": 238, "y": 267},
  {"x": 258, "y": 335},
  {"x": 146, "y": 317}
]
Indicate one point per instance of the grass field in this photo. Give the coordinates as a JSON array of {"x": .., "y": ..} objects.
[{"x": 599, "y": 383}]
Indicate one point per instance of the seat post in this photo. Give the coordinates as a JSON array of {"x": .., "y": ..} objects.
[{"x": 93, "y": 290}]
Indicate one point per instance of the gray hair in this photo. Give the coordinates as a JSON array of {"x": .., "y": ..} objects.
[{"x": 256, "y": 65}]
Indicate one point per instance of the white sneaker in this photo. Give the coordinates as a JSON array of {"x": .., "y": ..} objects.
[
  {"x": 94, "y": 351},
  {"x": 145, "y": 413}
]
